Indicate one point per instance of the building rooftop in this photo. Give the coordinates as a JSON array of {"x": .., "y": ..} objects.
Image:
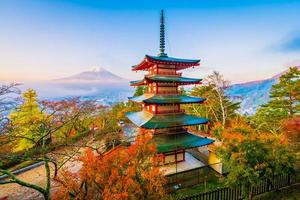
[
  {"x": 173, "y": 60},
  {"x": 148, "y": 120},
  {"x": 166, "y": 99},
  {"x": 169, "y": 79},
  {"x": 179, "y": 63},
  {"x": 171, "y": 142}
]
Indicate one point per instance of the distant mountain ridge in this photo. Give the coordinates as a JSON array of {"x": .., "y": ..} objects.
[
  {"x": 97, "y": 74},
  {"x": 98, "y": 84},
  {"x": 252, "y": 94}
]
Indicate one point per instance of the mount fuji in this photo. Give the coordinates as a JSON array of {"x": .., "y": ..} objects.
[
  {"x": 98, "y": 84},
  {"x": 97, "y": 74}
]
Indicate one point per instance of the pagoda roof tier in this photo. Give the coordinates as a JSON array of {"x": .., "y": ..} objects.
[
  {"x": 148, "y": 120},
  {"x": 166, "y": 99},
  {"x": 179, "y": 63},
  {"x": 169, "y": 79},
  {"x": 171, "y": 142}
]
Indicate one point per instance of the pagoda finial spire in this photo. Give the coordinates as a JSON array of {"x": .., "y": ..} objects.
[{"x": 162, "y": 35}]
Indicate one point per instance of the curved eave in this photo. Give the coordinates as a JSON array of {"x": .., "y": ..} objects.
[
  {"x": 173, "y": 99},
  {"x": 165, "y": 60},
  {"x": 174, "y": 61},
  {"x": 166, "y": 79},
  {"x": 137, "y": 82},
  {"x": 166, "y": 99},
  {"x": 171, "y": 142},
  {"x": 173, "y": 79},
  {"x": 141, "y": 98},
  {"x": 149, "y": 121}
]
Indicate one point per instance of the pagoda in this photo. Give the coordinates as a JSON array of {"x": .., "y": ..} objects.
[{"x": 162, "y": 113}]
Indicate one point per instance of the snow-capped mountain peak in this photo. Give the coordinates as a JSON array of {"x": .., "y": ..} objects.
[{"x": 96, "y": 74}]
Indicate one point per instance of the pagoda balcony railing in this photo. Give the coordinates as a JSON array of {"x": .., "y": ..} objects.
[
  {"x": 167, "y": 73},
  {"x": 167, "y": 92},
  {"x": 170, "y": 111}
]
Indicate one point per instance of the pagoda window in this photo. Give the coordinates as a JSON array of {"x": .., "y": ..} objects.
[
  {"x": 153, "y": 108},
  {"x": 174, "y": 157}
]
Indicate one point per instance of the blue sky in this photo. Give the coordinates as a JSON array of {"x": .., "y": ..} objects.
[{"x": 244, "y": 40}]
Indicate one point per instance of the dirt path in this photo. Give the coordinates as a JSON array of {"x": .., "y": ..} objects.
[
  {"x": 35, "y": 176},
  {"x": 38, "y": 174},
  {"x": 16, "y": 192}
]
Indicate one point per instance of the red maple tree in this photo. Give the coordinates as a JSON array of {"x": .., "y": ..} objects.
[{"x": 122, "y": 173}]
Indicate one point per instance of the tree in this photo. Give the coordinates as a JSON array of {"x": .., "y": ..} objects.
[
  {"x": 251, "y": 157},
  {"x": 118, "y": 110},
  {"x": 122, "y": 173},
  {"x": 217, "y": 107},
  {"x": 140, "y": 90},
  {"x": 7, "y": 101},
  {"x": 78, "y": 117},
  {"x": 291, "y": 131},
  {"x": 268, "y": 119},
  {"x": 26, "y": 120},
  {"x": 58, "y": 118},
  {"x": 286, "y": 94},
  {"x": 284, "y": 103}
]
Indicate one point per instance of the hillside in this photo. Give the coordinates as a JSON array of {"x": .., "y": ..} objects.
[{"x": 252, "y": 94}]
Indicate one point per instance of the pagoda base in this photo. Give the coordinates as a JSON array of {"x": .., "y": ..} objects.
[{"x": 189, "y": 163}]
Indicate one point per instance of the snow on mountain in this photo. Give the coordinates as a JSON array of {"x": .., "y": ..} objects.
[
  {"x": 98, "y": 84},
  {"x": 97, "y": 74},
  {"x": 252, "y": 94}
]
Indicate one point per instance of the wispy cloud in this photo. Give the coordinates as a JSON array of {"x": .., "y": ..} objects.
[{"x": 291, "y": 44}]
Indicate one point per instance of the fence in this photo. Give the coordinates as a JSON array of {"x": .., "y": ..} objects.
[
  {"x": 187, "y": 178},
  {"x": 237, "y": 193}
]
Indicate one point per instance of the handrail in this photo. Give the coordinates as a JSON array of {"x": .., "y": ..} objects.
[
  {"x": 166, "y": 73},
  {"x": 170, "y": 111}
]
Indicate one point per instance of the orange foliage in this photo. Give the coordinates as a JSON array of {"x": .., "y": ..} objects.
[
  {"x": 123, "y": 173},
  {"x": 291, "y": 130},
  {"x": 72, "y": 132},
  {"x": 292, "y": 126}
]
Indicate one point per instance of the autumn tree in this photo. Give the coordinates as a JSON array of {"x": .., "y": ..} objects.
[
  {"x": 217, "y": 107},
  {"x": 284, "y": 103},
  {"x": 26, "y": 120},
  {"x": 77, "y": 116},
  {"x": 251, "y": 157},
  {"x": 47, "y": 119},
  {"x": 291, "y": 131},
  {"x": 122, "y": 173}
]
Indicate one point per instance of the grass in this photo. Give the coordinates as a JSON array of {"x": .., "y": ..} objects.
[{"x": 291, "y": 193}]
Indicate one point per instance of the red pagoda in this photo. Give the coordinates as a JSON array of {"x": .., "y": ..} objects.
[{"x": 162, "y": 101}]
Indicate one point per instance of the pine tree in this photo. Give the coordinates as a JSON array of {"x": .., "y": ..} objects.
[
  {"x": 26, "y": 120},
  {"x": 286, "y": 94},
  {"x": 284, "y": 103}
]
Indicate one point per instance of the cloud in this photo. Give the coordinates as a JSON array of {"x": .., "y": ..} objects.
[{"x": 292, "y": 44}]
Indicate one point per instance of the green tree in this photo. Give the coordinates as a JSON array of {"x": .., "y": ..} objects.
[
  {"x": 286, "y": 94},
  {"x": 284, "y": 103},
  {"x": 217, "y": 107},
  {"x": 140, "y": 90},
  {"x": 25, "y": 119}
]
